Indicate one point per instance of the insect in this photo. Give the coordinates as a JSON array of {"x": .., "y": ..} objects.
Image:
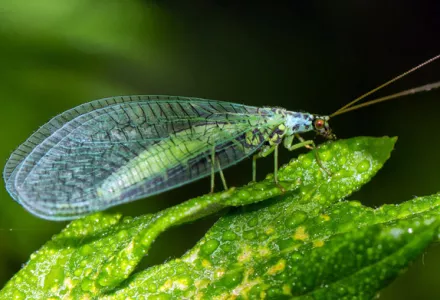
[{"x": 120, "y": 149}]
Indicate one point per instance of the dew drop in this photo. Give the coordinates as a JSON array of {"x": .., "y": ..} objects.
[
  {"x": 86, "y": 250},
  {"x": 127, "y": 219},
  {"x": 306, "y": 162},
  {"x": 244, "y": 195},
  {"x": 151, "y": 287},
  {"x": 250, "y": 235},
  {"x": 180, "y": 270},
  {"x": 396, "y": 232},
  {"x": 232, "y": 279},
  {"x": 18, "y": 295},
  {"x": 226, "y": 247},
  {"x": 297, "y": 218},
  {"x": 253, "y": 222},
  {"x": 86, "y": 284},
  {"x": 105, "y": 280},
  {"x": 325, "y": 155},
  {"x": 229, "y": 235},
  {"x": 210, "y": 246},
  {"x": 122, "y": 235},
  {"x": 285, "y": 244},
  {"x": 342, "y": 160},
  {"x": 296, "y": 256},
  {"x": 363, "y": 166},
  {"x": 259, "y": 186},
  {"x": 54, "y": 277}
]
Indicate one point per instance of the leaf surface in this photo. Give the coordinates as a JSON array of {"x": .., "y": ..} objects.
[{"x": 301, "y": 241}]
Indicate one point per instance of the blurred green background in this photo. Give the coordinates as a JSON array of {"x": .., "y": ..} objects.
[{"x": 313, "y": 56}]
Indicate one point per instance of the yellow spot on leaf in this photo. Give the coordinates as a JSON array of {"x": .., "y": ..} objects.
[
  {"x": 270, "y": 230},
  {"x": 199, "y": 296},
  {"x": 318, "y": 243},
  {"x": 206, "y": 263},
  {"x": 325, "y": 217},
  {"x": 263, "y": 251},
  {"x": 277, "y": 268},
  {"x": 244, "y": 288},
  {"x": 245, "y": 254},
  {"x": 192, "y": 257},
  {"x": 287, "y": 290},
  {"x": 219, "y": 273},
  {"x": 68, "y": 283},
  {"x": 182, "y": 283},
  {"x": 201, "y": 284},
  {"x": 300, "y": 234},
  {"x": 225, "y": 296},
  {"x": 167, "y": 285}
]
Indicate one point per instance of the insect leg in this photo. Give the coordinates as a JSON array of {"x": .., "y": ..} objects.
[
  {"x": 275, "y": 167},
  {"x": 254, "y": 168},
  {"x": 309, "y": 144},
  {"x": 288, "y": 143},
  {"x": 212, "y": 169},
  {"x": 265, "y": 151},
  {"x": 222, "y": 176}
]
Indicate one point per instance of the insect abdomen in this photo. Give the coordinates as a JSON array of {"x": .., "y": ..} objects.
[{"x": 161, "y": 162}]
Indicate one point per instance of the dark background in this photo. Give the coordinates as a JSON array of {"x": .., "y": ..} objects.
[{"x": 312, "y": 56}]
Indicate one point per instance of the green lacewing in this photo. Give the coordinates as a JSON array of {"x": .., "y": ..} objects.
[{"x": 120, "y": 149}]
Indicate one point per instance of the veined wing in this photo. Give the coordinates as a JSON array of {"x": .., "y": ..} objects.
[{"x": 116, "y": 150}]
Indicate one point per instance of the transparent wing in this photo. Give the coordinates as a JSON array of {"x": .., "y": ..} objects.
[{"x": 116, "y": 150}]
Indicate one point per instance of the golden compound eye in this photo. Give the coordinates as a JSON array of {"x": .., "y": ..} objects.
[{"x": 319, "y": 123}]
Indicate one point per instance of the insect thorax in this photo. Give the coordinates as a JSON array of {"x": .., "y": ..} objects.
[
  {"x": 291, "y": 123},
  {"x": 298, "y": 122}
]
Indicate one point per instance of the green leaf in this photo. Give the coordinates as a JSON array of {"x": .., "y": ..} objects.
[{"x": 301, "y": 241}]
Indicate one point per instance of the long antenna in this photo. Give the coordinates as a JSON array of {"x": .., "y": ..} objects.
[
  {"x": 342, "y": 109},
  {"x": 423, "y": 88}
]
